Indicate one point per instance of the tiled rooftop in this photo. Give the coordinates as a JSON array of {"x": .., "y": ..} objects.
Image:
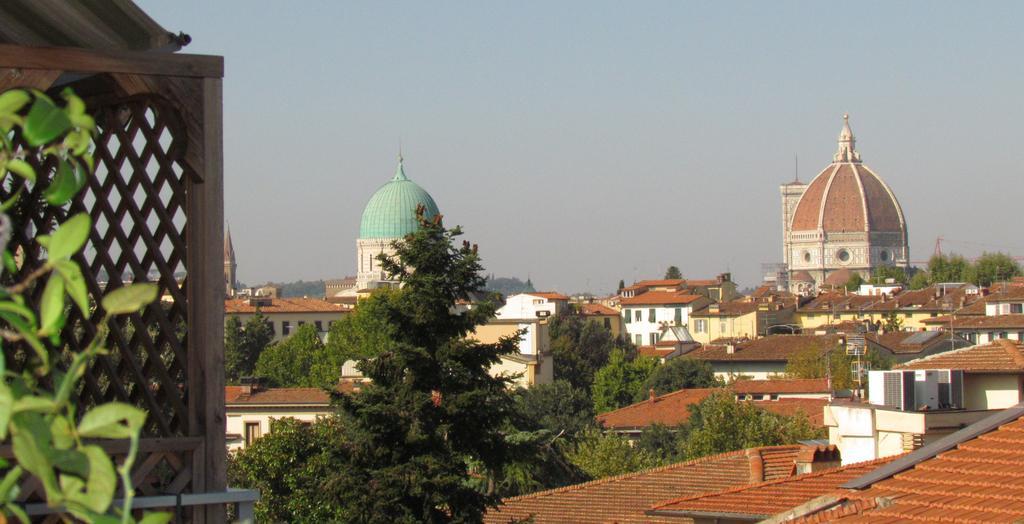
[
  {"x": 980, "y": 321},
  {"x": 237, "y": 395},
  {"x": 773, "y": 348},
  {"x": 625, "y": 498},
  {"x": 655, "y": 298},
  {"x": 999, "y": 356},
  {"x": 597, "y": 310},
  {"x": 549, "y": 295},
  {"x": 764, "y": 499},
  {"x": 284, "y": 305},
  {"x": 792, "y": 385},
  {"x": 980, "y": 480}
]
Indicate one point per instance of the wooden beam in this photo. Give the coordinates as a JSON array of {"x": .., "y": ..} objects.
[
  {"x": 205, "y": 234},
  {"x": 41, "y": 79},
  {"x": 96, "y": 61}
]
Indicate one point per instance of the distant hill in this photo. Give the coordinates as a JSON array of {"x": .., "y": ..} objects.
[
  {"x": 508, "y": 285},
  {"x": 302, "y": 288}
]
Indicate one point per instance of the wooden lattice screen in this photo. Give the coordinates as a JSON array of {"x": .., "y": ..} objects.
[{"x": 156, "y": 201}]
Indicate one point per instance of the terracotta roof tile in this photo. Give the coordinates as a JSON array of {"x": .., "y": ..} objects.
[
  {"x": 773, "y": 348},
  {"x": 727, "y": 309},
  {"x": 237, "y": 395},
  {"x": 660, "y": 297},
  {"x": 999, "y": 356},
  {"x": 285, "y": 305},
  {"x": 625, "y": 498},
  {"x": 793, "y": 385},
  {"x": 763, "y": 499},
  {"x": 597, "y": 310},
  {"x": 550, "y": 295},
  {"x": 1015, "y": 321},
  {"x": 981, "y": 480}
]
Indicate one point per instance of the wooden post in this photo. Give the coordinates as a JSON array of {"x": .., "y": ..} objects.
[{"x": 205, "y": 236}]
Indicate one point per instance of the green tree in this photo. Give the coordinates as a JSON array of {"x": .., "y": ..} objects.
[
  {"x": 286, "y": 465},
  {"x": 994, "y": 267},
  {"x": 606, "y": 454},
  {"x": 814, "y": 361},
  {"x": 664, "y": 442},
  {"x": 854, "y": 282},
  {"x": 431, "y": 409},
  {"x": 883, "y": 273},
  {"x": 720, "y": 424},
  {"x": 243, "y": 345},
  {"x": 920, "y": 280},
  {"x": 948, "y": 268},
  {"x": 289, "y": 362},
  {"x": 232, "y": 348},
  {"x": 558, "y": 407},
  {"x": 622, "y": 285},
  {"x": 673, "y": 273},
  {"x": 892, "y": 322},
  {"x": 618, "y": 382},
  {"x": 580, "y": 347},
  {"x": 676, "y": 374}
]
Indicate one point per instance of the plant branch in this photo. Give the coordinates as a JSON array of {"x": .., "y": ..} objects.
[{"x": 22, "y": 286}]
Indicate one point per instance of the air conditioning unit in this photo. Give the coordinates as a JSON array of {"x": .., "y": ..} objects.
[
  {"x": 543, "y": 314},
  {"x": 892, "y": 389},
  {"x": 951, "y": 389},
  {"x": 926, "y": 389}
]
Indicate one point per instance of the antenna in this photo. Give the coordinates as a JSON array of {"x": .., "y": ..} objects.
[{"x": 796, "y": 168}]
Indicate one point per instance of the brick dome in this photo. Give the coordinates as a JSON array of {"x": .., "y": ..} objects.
[{"x": 847, "y": 196}]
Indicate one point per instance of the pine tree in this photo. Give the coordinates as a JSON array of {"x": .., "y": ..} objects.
[
  {"x": 431, "y": 408},
  {"x": 673, "y": 273}
]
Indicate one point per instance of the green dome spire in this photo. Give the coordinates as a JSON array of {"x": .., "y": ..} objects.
[{"x": 391, "y": 211}]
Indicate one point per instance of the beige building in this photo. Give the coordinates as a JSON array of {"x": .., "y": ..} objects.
[
  {"x": 533, "y": 364},
  {"x": 932, "y": 399},
  {"x": 250, "y": 410},
  {"x": 288, "y": 314},
  {"x": 738, "y": 320},
  {"x": 603, "y": 315}
]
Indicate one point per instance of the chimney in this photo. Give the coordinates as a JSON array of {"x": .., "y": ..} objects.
[
  {"x": 816, "y": 458},
  {"x": 651, "y": 395},
  {"x": 730, "y": 348}
]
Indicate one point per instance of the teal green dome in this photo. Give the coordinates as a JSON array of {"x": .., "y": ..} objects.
[{"x": 391, "y": 211}]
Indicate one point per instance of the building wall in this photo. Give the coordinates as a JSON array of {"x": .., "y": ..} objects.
[
  {"x": 811, "y": 320},
  {"x": 663, "y": 315},
  {"x": 293, "y": 319},
  {"x": 612, "y": 322},
  {"x": 367, "y": 266},
  {"x": 729, "y": 371},
  {"x": 238, "y": 417},
  {"x": 525, "y": 306},
  {"x": 716, "y": 327},
  {"x": 991, "y": 391}
]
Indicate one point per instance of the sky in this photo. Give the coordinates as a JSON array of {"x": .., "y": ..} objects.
[{"x": 580, "y": 143}]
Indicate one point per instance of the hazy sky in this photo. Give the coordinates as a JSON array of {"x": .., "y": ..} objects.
[{"x": 583, "y": 142}]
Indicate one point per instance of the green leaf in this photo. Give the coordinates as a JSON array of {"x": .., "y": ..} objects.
[
  {"x": 70, "y": 236},
  {"x": 34, "y": 404},
  {"x": 129, "y": 299},
  {"x": 30, "y": 440},
  {"x": 102, "y": 480},
  {"x": 112, "y": 420},
  {"x": 29, "y": 334},
  {"x": 65, "y": 185},
  {"x": 70, "y": 461},
  {"x": 156, "y": 518},
  {"x": 17, "y": 309},
  {"x": 6, "y": 408},
  {"x": 10, "y": 265},
  {"x": 51, "y": 307},
  {"x": 9, "y": 483},
  {"x": 22, "y": 168},
  {"x": 61, "y": 429},
  {"x": 74, "y": 284},
  {"x": 12, "y": 101},
  {"x": 45, "y": 122}
]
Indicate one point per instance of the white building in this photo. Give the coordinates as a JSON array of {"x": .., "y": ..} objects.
[
  {"x": 538, "y": 304},
  {"x": 645, "y": 315},
  {"x": 250, "y": 410}
]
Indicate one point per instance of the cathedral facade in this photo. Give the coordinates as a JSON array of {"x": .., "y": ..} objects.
[{"x": 845, "y": 221}]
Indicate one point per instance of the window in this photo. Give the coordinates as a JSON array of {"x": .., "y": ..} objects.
[
  {"x": 1016, "y": 309},
  {"x": 638, "y": 315},
  {"x": 1002, "y": 335},
  {"x": 722, "y": 327},
  {"x": 807, "y": 256},
  {"x": 884, "y": 255},
  {"x": 1020, "y": 335},
  {"x": 843, "y": 255},
  {"x": 252, "y": 432},
  {"x": 679, "y": 315},
  {"x": 639, "y": 340},
  {"x": 319, "y": 325},
  {"x": 628, "y": 315},
  {"x": 654, "y": 338},
  {"x": 650, "y": 315},
  {"x": 286, "y": 328},
  {"x": 302, "y": 323},
  {"x": 700, "y": 325},
  {"x": 538, "y": 301},
  {"x": 607, "y": 323}
]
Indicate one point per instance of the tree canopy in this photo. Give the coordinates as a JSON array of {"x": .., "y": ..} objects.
[
  {"x": 620, "y": 381},
  {"x": 431, "y": 409},
  {"x": 244, "y": 344},
  {"x": 289, "y": 363},
  {"x": 580, "y": 347},
  {"x": 673, "y": 273},
  {"x": 676, "y": 374}
]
